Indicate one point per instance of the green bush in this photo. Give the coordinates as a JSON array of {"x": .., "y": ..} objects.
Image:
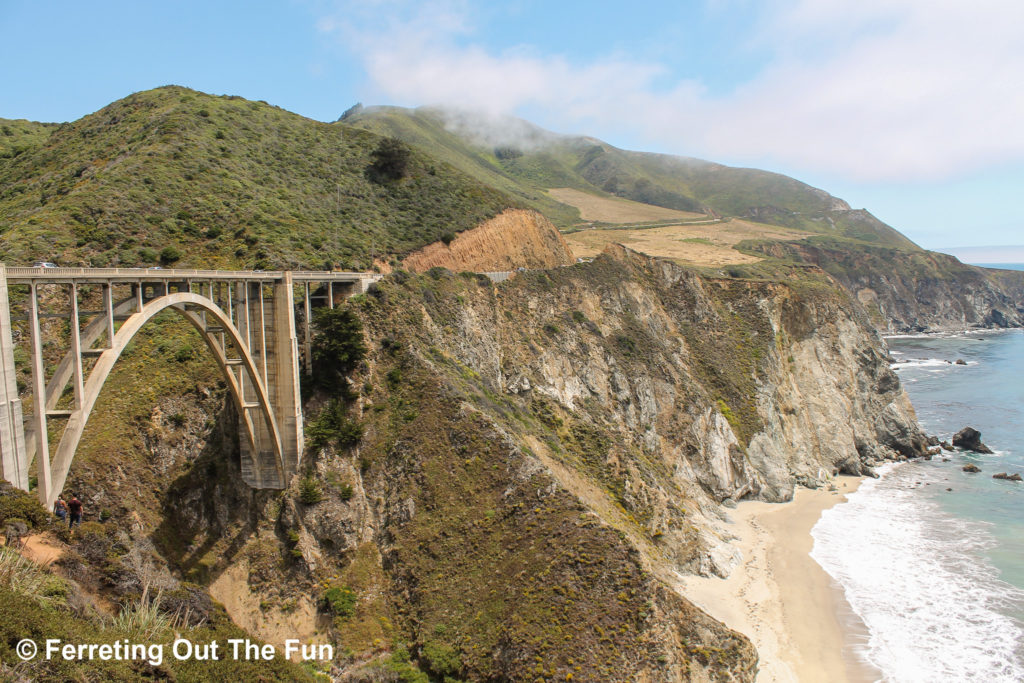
[
  {"x": 340, "y": 601},
  {"x": 333, "y": 426},
  {"x": 310, "y": 492},
  {"x": 170, "y": 255},
  {"x": 441, "y": 659},
  {"x": 345, "y": 491},
  {"x": 18, "y": 504}
]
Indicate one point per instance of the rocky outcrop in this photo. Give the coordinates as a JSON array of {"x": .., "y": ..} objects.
[
  {"x": 1009, "y": 477},
  {"x": 915, "y": 290},
  {"x": 516, "y": 238},
  {"x": 969, "y": 439}
]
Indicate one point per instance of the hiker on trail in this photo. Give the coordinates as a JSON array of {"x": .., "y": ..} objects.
[
  {"x": 74, "y": 511},
  {"x": 60, "y": 508}
]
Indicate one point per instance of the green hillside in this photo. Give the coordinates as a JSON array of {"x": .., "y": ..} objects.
[
  {"x": 182, "y": 177},
  {"x": 525, "y": 160}
]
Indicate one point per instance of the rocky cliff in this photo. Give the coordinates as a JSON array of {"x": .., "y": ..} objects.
[
  {"x": 516, "y": 238},
  {"x": 914, "y": 291},
  {"x": 535, "y": 462}
]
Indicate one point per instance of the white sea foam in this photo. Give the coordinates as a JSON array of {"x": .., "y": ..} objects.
[
  {"x": 927, "y": 363},
  {"x": 934, "y": 607}
]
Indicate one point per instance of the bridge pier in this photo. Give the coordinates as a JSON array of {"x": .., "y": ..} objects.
[
  {"x": 270, "y": 326},
  {"x": 13, "y": 459}
]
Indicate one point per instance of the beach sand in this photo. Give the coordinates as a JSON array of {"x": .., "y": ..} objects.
[{"x": 792, "y": 610}]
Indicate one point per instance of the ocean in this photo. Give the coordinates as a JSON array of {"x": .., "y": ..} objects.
[{"x": 929, "y": 556}]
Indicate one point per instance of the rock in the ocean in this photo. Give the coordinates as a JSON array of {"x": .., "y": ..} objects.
[
  {"x": 946, "y": 445},
  {"x": 971, "y": 467},
  {"x": 969, "y": 439},
  {"x": 961, "y": 361},
  {"x": 1010, "y": 477}
]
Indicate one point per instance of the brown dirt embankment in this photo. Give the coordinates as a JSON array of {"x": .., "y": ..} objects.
[{"x": 516, "y": 238}]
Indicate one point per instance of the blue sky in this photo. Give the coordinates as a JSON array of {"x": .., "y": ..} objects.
[{"x": 913, "y": 109}]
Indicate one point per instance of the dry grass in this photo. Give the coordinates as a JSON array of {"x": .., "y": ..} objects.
[
  {"x": 708, "y": 244},
  {"x": 614, "y": 210}
]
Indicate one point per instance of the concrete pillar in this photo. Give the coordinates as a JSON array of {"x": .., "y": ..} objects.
[
  {"x": 39, "y": 397},
  {"x": 13, "y": 457},
  {"x": 285, "y": 394}
]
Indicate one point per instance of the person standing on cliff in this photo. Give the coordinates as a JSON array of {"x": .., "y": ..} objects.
[
  {"x": 74, "y": 511},
  {"x": 60, "y": 508}
]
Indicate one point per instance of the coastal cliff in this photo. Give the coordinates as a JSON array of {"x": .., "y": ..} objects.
[
  {"x": 538, "y": 461},
  {"x": 914, "y": 291}
]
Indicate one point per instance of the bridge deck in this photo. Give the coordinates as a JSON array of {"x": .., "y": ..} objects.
[{"x": 29, "y": 275}]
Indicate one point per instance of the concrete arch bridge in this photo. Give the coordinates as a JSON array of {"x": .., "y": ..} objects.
[{"x": 249, "y": 321}]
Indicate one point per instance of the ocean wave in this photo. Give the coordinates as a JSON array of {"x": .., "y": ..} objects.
[
  {"x": 929, "y": 363},
  {"x": 934, "y": 608}
]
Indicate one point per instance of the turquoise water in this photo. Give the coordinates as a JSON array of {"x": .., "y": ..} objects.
[{"x": 938, "y": 575}]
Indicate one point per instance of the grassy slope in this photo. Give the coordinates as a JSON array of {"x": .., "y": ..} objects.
[
  {"x": 226, "y": 181},
  {"x": 547, "y": 160}
]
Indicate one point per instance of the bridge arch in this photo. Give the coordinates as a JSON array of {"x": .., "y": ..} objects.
[{"x": 198, "y": 310}]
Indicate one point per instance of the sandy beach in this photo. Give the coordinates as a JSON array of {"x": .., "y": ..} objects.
[{"x": 797, "y": 617}]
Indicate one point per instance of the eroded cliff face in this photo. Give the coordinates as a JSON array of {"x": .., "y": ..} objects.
[
  {"x": 541, "y": 458},
  {"x": 916, "y": 291},
  {"x": 516, "y": 238}
]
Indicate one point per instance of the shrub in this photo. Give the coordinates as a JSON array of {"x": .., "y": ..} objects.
[
  {"x": 333, "y": 426},
  {"x": 448, "y": 237},
  {"x": 345, "y": 491},
  {"x": 442, "y": 659},
  {"x": 169, "y": 255},
  {"x": 310, "y": 492},
  {"x": 18, "y": 504},
  {"x": 340, "y": 601}
]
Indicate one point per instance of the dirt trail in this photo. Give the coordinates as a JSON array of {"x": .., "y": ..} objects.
[{"x": 43, "y": 549}]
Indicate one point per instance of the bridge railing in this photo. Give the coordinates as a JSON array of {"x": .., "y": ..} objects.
[{"x": 21, "y": 274}]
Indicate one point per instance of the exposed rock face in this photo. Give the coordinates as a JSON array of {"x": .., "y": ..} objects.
[
  {"x": 516, "y": 238},
  {"x": 971, "y": 467},
  {"x": 917, "y": 291},
  {"x": 969, "y": 439},
  {"x": 1009, "y": 477},
  {"x": 541, "y": 457}
]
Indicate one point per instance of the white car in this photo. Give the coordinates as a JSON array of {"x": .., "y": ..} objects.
[{"x": 44, "y": 264}]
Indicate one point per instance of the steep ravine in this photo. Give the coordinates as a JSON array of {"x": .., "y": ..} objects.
[{"x": 539, "y": 457}]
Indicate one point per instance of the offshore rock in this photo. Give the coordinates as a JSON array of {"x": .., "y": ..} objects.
[
  {"x": 969, "y": 439},
  {"x": 1010, "y": 477}
]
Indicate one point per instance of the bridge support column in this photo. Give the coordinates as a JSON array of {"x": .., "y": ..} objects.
[
  {"x": 13, "y": 455},
  {"x": 270, "y": 329},
  {"x": 285, "y": 394}
]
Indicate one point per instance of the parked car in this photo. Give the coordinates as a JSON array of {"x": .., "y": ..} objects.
[{"x": 44, "y": 264}]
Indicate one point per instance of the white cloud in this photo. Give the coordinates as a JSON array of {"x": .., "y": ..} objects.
[{"x": 867, "y": 89}]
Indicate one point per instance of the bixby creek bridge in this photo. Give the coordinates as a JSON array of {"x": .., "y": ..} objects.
[{"x": 249, "y": 320}]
